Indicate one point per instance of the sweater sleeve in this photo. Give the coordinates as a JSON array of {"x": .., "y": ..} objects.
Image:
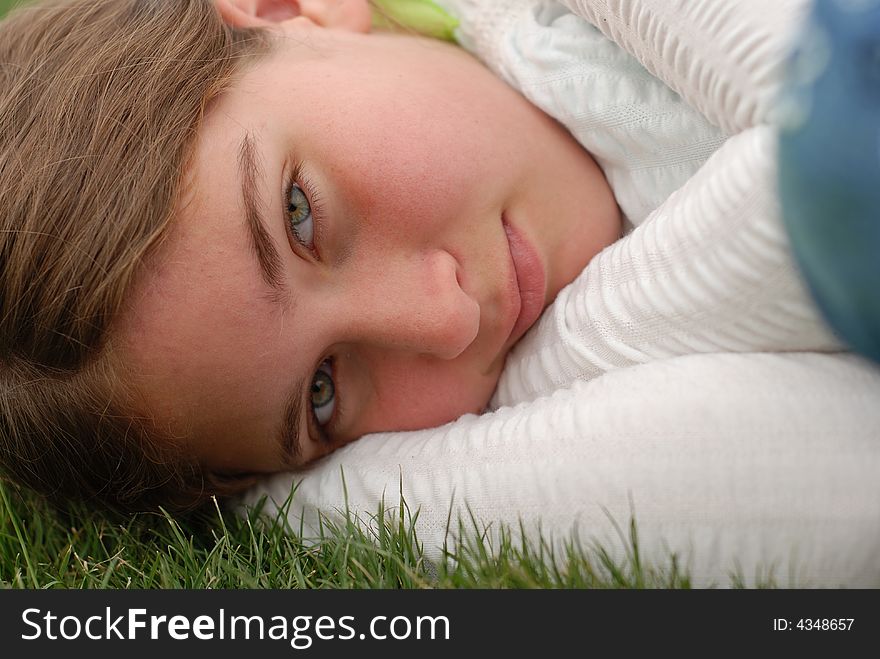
[{"x": 710, "y": 271}]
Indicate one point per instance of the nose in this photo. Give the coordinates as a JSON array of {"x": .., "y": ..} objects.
[{"x": 414, "y": 303}]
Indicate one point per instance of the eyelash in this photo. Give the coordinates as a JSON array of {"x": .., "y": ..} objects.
[{"x": 316, "y": 206}]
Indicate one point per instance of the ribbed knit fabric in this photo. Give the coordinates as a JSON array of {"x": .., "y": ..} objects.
[
  {"x": 710, "y": 271},
  {"x": 723, "y": 57}
]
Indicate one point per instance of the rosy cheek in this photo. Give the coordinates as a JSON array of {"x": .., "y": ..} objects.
[
  {"x": 394, "y": 171},
  {"x": 426, "y": 398}
]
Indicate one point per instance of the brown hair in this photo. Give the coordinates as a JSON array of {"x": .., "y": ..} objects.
[{"x": 100, "y": 101}]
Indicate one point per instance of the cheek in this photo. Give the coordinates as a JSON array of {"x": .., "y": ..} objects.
[
  {"x": 420, "y": 163},
  {"x": 425, "y": 396},
  {"x": 410, "y": 177}
]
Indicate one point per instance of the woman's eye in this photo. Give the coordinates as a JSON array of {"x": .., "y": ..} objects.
[
  {"x": 323, "y": 394},
  {"x": 299, "y": 216}
]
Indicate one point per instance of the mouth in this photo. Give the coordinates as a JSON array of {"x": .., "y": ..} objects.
[{"x": 530, "y": 280}]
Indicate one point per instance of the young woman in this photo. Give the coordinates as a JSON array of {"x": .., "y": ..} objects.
[{"x": 239, "y": 234}]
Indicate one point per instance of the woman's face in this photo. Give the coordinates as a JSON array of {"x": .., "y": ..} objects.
[{"x": 371, "y": 223}]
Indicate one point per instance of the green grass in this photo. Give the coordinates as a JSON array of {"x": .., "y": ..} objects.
[{"x": 214, "y": 548}]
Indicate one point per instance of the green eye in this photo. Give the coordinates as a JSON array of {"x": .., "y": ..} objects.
[
  {"x": 299, "y": 215},
  {"x": 323, "y": 394}
]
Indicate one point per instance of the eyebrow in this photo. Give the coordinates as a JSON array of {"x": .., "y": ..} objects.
[
  {"x": 271, "y": 269},
  {"x": 261, "y": 242},
  {"x": 288, "y": 438}
]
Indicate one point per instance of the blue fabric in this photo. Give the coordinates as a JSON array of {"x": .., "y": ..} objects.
[{"x": 829, "y": 165}]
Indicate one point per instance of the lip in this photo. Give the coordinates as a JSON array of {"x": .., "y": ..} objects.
[{"x": 530, "y": 280}]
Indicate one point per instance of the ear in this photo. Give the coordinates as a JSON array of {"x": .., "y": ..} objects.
[{"x": 353, "y": 15}]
